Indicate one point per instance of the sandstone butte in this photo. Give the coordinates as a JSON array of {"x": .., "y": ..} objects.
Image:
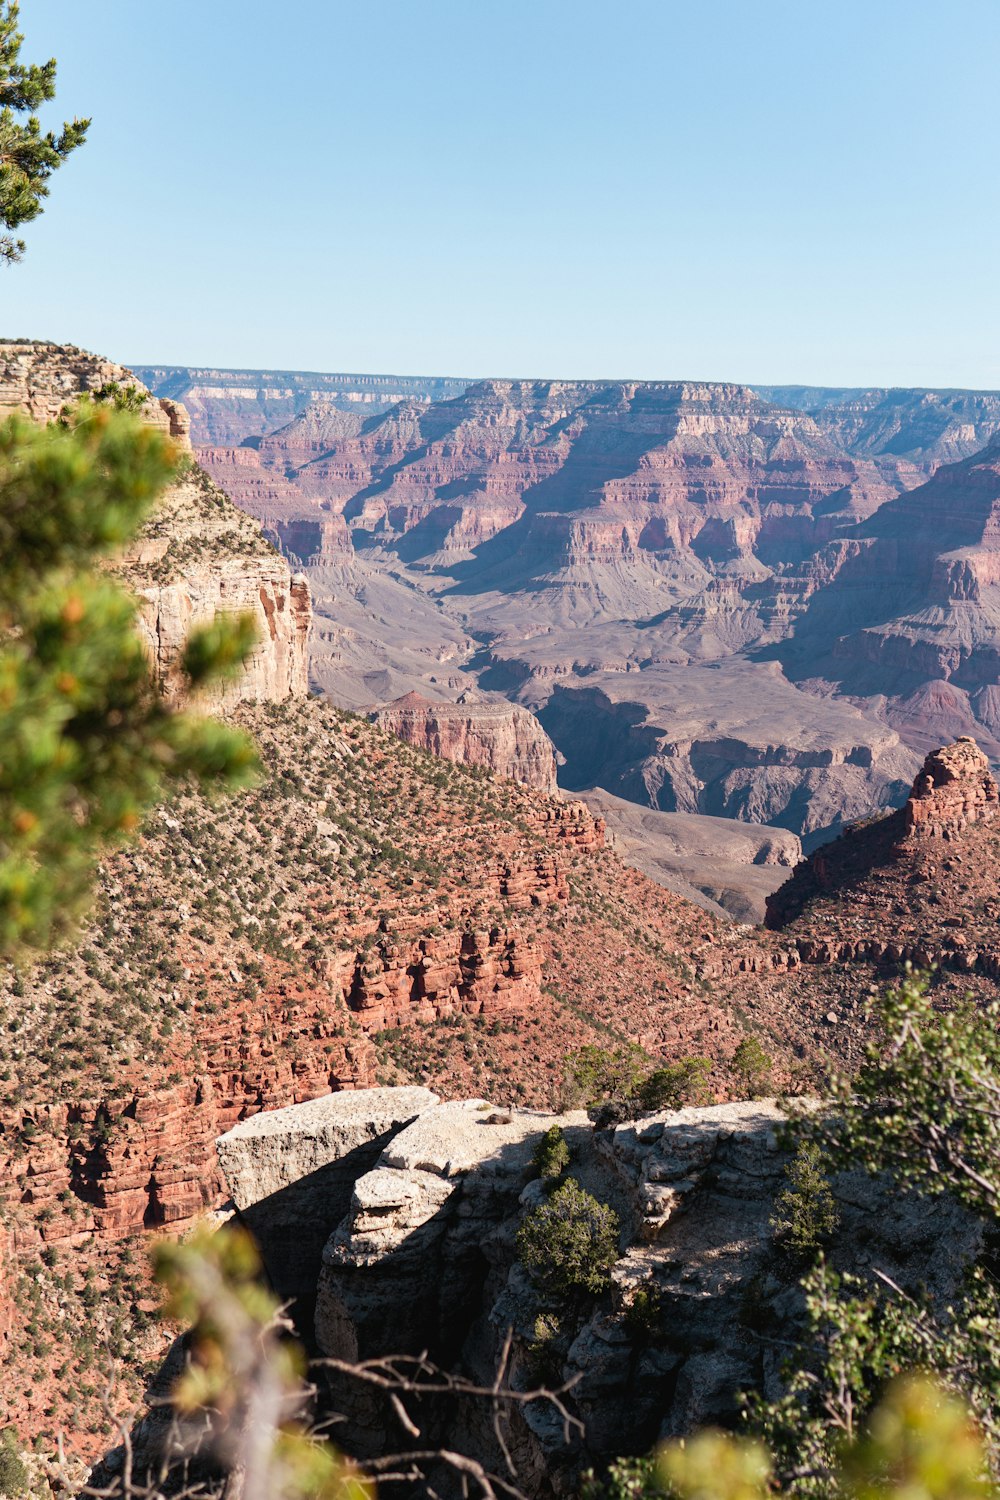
[
  {"x": 819, "y": 571},
  {"x": 371, "y": 915}
]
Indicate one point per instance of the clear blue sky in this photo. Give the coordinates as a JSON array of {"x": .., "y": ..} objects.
[{"x": 758, "y": 190}]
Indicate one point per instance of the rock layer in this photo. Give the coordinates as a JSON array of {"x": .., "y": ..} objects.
[
  {"x": 291, "y": 1173},
  {"x": 497, "y": 735}
]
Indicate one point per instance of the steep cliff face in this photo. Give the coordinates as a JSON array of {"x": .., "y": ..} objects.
[
  {"x": 927, "y": 427},
  {"x": 424, "y": 1258},
  {"x": 197, "y": 556},
  {"x": 655, "y": 468},
  {"x": 908, "y": 606},
  {"x": 500, "y": 736}
]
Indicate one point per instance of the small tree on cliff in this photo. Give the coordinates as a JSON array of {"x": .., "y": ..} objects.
[
  {"x": 805, "y": 1213},
  {"x": 28, "y": 156},
  {"x": 569, "y": 1243}
]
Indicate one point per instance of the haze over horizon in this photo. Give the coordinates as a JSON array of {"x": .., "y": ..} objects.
[{"x": 545, "y": 191}]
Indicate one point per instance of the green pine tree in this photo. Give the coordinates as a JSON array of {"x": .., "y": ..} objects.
[
  {"x": 805, "y": 1213},
  {"x": 28, "y": 156}
]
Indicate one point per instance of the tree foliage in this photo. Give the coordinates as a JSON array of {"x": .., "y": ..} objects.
[
  {"x": 551, "y": 1155},
  {"x": 919, "y": 1444},
  {"x": 805, "y": 1214},
  {"x": 28, "y": 155},
  {"x": 859, "y": 1336},
  {"x": 925, "y": 1105},
  {"x": 624, "y": 1082},
  {"x": 88, "y": 742},
  {"x": 569, "y": 1243},
  {"x": 243, "y": 1386},
  {"x": 752, "y": 1066}
]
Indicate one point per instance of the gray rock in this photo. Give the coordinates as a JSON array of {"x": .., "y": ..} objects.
[{"x": 292, "y": 1171}]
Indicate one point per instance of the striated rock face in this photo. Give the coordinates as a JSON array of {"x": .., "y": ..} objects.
[
  {"x": 229, "y": 406},
  {"x": 41, "y": 379},
  {"x": 424, "y": 1258},
  {"x": 927, "y": 427},
  {"x": 500, "y": 736},
  {"x": 576, "y": 531},
  {"x": 197, "y": 556}
]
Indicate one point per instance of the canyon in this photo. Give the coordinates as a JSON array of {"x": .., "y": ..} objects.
[
  {"x": 408, "y": 901},
  {"x": 759, "y": 604}
]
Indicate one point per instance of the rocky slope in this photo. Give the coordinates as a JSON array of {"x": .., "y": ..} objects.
[
  {"x": 420, "y": 1255},
  {"x": 931, "y": 865},
  {"x": 198, "y": 555},
  {"x": 501, "y": 737},
  {"x": 369, "y": 913}
]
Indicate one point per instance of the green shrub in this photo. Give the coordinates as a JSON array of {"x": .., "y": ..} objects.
[
  {"x": 644, "y": 1313},
  {"x": 676, "y": 1084},
  {"x": 551, "y": 1157},
  {"x": 13, "y": 1474},
  {"x": 594, "y": 1077},
  {"x": 569, "y": 1243},
  {"x": 752, "y": 1065},
  {"x": 623, "y": 1083}
]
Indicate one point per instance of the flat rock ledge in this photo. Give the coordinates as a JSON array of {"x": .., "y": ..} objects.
[{"x": 271, "y": 1150}]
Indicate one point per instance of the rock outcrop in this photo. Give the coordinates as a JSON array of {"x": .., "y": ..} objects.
[
  {"x": 954, "y": 792},
  {"x": 292, "y": 1171},
  {"x": 197, "y": 556},
  {"x": 424, "y": 1259},
  {"x": 495, "y": 734},
  {"x": 955, "y": 788}
]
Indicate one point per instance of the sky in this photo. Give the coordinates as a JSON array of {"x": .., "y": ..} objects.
[{"x": 745, "y": 190}]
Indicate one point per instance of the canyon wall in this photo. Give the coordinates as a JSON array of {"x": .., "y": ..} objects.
[
  {"x": 546, "y": 539},
  {"x": 229, "y": 406},
  {"x": 499, "y": 736}
]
